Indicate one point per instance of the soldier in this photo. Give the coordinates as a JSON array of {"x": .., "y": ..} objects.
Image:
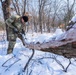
[
  {"x": 71, "y": 23},
  {"x": 16, "y": 28}
]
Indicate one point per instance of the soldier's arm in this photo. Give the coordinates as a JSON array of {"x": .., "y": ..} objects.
[
  {"x": 23, "y": 28},
  {"x": 70, "y": 23},
  {"x": 9, "y": 22}
]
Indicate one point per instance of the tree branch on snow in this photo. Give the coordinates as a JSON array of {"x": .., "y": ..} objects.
[
  {"x": 12, "y": 64},
  {"x": 67, "y": 66},
  {"x": 3, "y": 65},
  {"x": 29, "y": 60},
  {"x": 26, "y": 65},
  {"x": 64, "y": 69}
]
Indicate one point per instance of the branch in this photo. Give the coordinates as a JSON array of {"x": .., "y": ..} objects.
[
  {"x": 67, "y": 66},
  {"x": 6, "y": 62},
  {"x": 29, "y": 60},
  {"x": 26, "y": 65},
  {"x": 12, "y": 64},
  {"x": 64, "y": 69}
]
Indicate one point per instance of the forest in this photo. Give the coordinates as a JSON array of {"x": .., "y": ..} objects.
[
  {"x": 47, "y": 38},
  {"x": 46, "y": 15}
]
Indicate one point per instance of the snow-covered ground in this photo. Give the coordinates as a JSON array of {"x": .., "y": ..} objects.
[{"x": 42, "y": 63}]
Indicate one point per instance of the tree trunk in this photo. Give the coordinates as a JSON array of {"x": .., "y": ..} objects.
[
  {"x": 6, "y": 12},
  {"x": 66, "y": 49}
]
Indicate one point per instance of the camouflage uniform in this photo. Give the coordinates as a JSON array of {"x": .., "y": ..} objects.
[{"x": 14, "y": 22}]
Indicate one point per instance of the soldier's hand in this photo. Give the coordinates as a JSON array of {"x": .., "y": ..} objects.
[
  {"x": 15, "y": 30},
  {"x": 23, "y": 32},
  {"x": 68, "y": 27}
]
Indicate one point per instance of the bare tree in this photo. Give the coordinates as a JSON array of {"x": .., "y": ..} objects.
[
  {"x": 48, "y": 18},
  {"x": 46, "y": 14},
  {"x": 41, "y": 9},
  {"x": 19, "y": 6},
  {"x": 69, "y": 11},
  {"x": 16, "y": 6},
  {"x": 6, "y": 11}
]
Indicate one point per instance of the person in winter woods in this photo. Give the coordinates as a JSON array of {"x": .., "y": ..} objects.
[
  {"x": 71, "y": 23},
  {"x": 16, "y": 29}
]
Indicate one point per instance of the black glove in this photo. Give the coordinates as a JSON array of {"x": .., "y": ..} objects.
[
  {"x": 15, "y": 30},
  {"x": 69, "y": 27},
  {"x": 23, "y": 32}
]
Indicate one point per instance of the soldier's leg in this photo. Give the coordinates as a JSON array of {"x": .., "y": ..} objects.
[
  {"x": 22, "y": 39},
  {"x": 12, "y": 40},
  {"x": 11, "y": 46}
]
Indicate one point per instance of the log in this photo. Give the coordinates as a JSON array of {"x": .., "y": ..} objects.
[{"x": 64, "y": 48}]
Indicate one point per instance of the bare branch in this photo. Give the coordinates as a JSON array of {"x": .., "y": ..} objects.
[
  {"x": 26, "y": 65},
  {"x": 6, "y": 62},
  {"x": 29, "y": 60},
  {"x": 12, "y": 64}
]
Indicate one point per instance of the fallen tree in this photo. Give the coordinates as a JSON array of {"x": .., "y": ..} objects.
[{"x": 65, "y": 45}]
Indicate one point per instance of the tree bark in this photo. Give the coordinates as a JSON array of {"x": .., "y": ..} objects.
[
  {"x": 6, "y": 12},
  {"x": 66, "y": 48}
]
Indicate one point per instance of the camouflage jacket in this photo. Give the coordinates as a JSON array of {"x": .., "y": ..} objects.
[{"x": 15, "y": 22}]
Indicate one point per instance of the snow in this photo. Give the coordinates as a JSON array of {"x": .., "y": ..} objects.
[
  {"x": 42, "y": 63},
  {"x": 58, "y": 34}
]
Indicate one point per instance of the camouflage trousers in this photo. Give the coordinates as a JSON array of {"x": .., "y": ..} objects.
[{"x": 12, "y": 42}]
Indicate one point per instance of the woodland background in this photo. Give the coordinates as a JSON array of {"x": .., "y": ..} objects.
[{"x": 47, "y": 15}]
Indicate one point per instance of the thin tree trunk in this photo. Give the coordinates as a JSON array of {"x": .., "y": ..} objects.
[{"x": 6, "y": 12}]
